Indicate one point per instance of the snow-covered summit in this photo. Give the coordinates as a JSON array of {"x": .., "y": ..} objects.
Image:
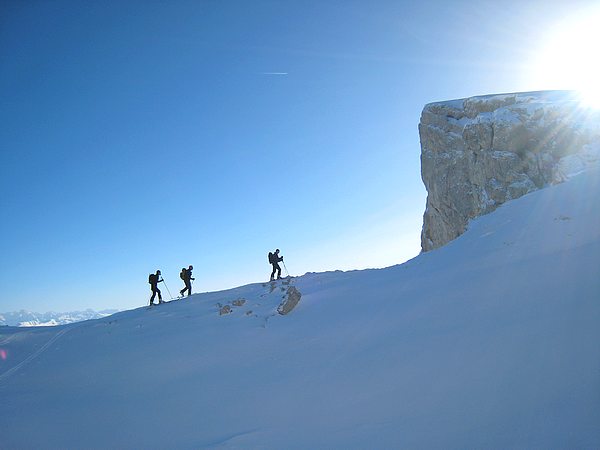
[{"x": 488, "y": 342}]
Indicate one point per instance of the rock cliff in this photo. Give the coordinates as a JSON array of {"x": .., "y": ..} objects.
[{"x": 480, "y": 152}]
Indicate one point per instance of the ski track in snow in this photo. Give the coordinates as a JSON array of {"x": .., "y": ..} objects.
[
  {"x": 35, "y": 354},
  {"x": 223, "y": 442},
  {"x": 8, "y": 339}
]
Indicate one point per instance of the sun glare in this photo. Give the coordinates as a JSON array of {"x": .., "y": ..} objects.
[{"x": 569, "y": 59}]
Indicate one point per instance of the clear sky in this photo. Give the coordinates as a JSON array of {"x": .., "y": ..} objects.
[{"x": 158, "y": 134}]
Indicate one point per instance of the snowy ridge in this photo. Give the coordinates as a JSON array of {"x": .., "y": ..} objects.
[{"x": 488, "y": 342}]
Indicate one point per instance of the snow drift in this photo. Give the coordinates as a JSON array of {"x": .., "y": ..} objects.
[{"x": 488, "y": 342}]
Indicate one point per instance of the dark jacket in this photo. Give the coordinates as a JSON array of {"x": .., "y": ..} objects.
[{"x": 153, "y": 279}]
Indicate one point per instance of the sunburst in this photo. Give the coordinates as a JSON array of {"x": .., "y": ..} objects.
[{"x": 569, "y": 59}]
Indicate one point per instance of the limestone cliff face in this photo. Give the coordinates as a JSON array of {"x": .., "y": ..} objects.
[{"x": 480, "y": 152}]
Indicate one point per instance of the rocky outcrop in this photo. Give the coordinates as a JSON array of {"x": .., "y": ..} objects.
[
  {"x": 480, "y": 152},
  {"x": 278, "y": 292},
  {"x": 290, "y": 301}
]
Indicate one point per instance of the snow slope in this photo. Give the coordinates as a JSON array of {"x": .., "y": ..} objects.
[{"x": 489, "y": 342}]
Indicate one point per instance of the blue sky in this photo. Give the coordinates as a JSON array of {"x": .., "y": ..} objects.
[{"x": 145, "y": 135}]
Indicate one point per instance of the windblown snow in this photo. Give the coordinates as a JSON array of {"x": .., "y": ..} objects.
[{"x": 491, "y": 341}]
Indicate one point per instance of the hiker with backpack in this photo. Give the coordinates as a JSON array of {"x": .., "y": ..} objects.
[
  {"x": 274, "y": 259},
  {"x": 153, "y": 279},
  {"x": 186, "y": 276}
]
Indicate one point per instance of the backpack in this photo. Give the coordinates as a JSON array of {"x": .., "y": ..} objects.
[
  {"x": 152, "y": 278},
  {"x": 271, "y": 258},
  {"x": 182, "y": 274}
]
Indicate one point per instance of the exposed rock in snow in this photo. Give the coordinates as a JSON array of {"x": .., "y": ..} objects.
[
  {"x": 290, "y": 301},
  {"x": 223, "y": 310},
  {"x": 480, "y": 152},
  {"x": 239, "y": 302},
  {"x": 278, "y": 296}
]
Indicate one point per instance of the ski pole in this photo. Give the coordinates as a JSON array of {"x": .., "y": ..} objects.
[
  {"x": 286, "y": 271},
  {"x": 170, "y": 296}
]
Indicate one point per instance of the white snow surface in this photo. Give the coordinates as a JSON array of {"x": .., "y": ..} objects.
[
  {"x": 491, "y": 341},
  {"x": 534, "y": 98}
]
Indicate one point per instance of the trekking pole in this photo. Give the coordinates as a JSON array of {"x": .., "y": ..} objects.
[{"x": 170, "y": 296}]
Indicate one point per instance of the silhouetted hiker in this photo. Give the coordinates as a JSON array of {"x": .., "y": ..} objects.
[
  {"x": 153, "y": 279},
  {"x": 274, "y": 259},
  {"x": 186, "y": 276}
]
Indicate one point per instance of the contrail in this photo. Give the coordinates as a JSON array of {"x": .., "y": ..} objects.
[{"x": 274, "y": 73}]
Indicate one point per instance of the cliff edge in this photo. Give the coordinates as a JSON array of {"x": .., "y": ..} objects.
[{"x": 480, "y": 152}]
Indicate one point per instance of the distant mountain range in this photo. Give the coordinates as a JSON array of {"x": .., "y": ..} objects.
[{"x": 33, "y": 319}]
